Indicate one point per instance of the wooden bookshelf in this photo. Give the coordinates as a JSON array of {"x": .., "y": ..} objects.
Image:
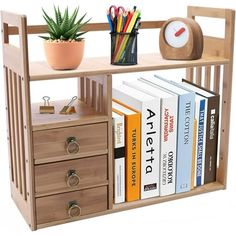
[{"x": 37, "y": 140}]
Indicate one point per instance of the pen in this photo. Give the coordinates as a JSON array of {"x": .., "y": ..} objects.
[{"x": 109, "y": 21}]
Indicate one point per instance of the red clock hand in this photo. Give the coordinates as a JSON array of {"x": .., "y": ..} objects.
[{"x": 179, "y": 32}]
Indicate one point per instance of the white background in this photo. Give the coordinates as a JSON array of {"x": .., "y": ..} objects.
[{"x": 212, "y": 213}]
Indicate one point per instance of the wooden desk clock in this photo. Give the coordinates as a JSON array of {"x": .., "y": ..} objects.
[{"x": 181, "y": 39}]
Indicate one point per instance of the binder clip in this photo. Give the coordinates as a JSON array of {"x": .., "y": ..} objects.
[
  {"x": 46, "y": 108},
  {"x": 69, "y": 109}
]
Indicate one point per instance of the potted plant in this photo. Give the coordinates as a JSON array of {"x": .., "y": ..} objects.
[{"x": 64, "y": 47}]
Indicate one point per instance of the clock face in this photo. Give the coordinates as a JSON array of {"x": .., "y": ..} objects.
[{"x": 176, "y": 34}]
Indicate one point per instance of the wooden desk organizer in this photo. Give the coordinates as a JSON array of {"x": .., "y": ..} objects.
[{"x": 53, "y": 182}]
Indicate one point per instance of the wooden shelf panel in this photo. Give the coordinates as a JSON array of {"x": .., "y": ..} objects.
[
  {"x": 84, "y": 115},
  {"x": 150, "y": 201},
  {"x": 101, "y": 66},
  {"x": 145, "y": 202}
]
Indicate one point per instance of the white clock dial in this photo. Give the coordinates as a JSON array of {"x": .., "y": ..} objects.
[{"x": 176, "y": 34}]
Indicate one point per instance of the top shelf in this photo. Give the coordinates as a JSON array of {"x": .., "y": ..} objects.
[{"x": 101, "y": 65}]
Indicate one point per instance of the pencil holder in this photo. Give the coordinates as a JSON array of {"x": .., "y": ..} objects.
[{"x": 124, "y": 48}]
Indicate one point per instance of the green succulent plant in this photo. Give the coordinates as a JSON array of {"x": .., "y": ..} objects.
[{"x": 64, "y": 27}]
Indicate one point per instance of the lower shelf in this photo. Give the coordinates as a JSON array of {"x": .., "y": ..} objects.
[{"x": 140, "y": 203}]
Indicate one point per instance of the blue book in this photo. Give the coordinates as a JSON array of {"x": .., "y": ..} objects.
[
  {"x": 201, "y": 106},
  {"x": 200, "y": 143},
  {"x": 186, "y": 105}
]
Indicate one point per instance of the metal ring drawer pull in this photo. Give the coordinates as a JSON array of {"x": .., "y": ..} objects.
[
  {"x": 72, "y": 179},
  {"x": 74, "y": 209},
  {"x": 72, "y": 145}
]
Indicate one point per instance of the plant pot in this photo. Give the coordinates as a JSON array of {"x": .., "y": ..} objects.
[{"x": 64, "y": 55}]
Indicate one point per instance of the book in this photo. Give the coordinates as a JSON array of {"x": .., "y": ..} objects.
[
  {"x": 211, "y": 131},
  {"x": 201, "y": 104},
  {"x": 149, "y": 108},
  {"x": 186, "y": 106},
  {"x": 118, "y": 121},
  {"x": 193, "y": 174},
  {"x": 132, "y": 150},
  {"x": 169, "y": 106}
]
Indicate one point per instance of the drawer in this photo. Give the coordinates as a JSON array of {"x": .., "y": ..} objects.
[
  {"x": 70, "y": 175},
  {"x": 71, "y": 142},
  {"x": 71, "y": 205}
]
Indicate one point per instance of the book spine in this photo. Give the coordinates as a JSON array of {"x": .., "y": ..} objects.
[
  {"x": 185, "y": 142},
  {"x": 200, "y": 142},
  {"x": 211, "y": 139},
  {"x": 150, "y": 158},
  {"x": 193, "y": 174},
  {"x": 133, "y": 146},
  {"x": 168, "y": 145},
  {"x": 119, "y": 156}
]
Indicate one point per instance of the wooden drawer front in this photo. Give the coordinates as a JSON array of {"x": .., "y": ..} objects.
[
  {"x": 70, "y": 175},
  {"x": 61, "y": 206},
  {"x": 51, "y": 145}
]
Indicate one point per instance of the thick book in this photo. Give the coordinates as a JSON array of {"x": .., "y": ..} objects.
[
  {"x": 132, "y": 150},
  {"x": 149, "y": 108},
  {"x": 186, "y": 106},
  {"x": 169, "y": 120},
  {"x": 118, "y": 121},
  {"x": 201, "y": 104},
  {"x": 211, "y": 131}
]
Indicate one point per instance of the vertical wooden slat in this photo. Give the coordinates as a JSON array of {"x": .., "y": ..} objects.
[
  {"x": 189, "y": 74},
  {"x": 107, "y": 104},
  {"x": 207, "y": 81},
  {"x": 100, "y": 98},
  {"x": 16, "y": 131},
  {"x": 12, "y": 129},
  {"x": 226, "y": 96},
  {"x": 216, "y": 79},
  {"x": 88, "y": 98},
  {"x": 81, "y": 89},
  {"x": 94, "y": 93},
  {"x": 21, "y": 138},
  {"x": 9, "y": 133},
  {"x": 199, "y": 76}
]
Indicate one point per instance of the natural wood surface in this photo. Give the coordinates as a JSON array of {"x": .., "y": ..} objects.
[
  {"x": 101, "y": 66},
  {"x": 52, "y": 143},
  {"x": 84, "y": 115},
  {"x": 55, "y": 207},
  {"x": 39, "y": 29},
  {"x": 52, "y": 178},
  {"x": 141, "y": 203}
]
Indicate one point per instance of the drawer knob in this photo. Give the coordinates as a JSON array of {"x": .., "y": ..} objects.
[
  {"x": 72, "y": 145},
  {"x": 72, "y": 179},
  {"x": 73, "y": 209}
]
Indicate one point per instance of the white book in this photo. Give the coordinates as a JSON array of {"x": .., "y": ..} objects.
[
  {"x": 148, "y": 106},
  {"x": 119, "y": 156},
  {"x": 168, "y": 111}
]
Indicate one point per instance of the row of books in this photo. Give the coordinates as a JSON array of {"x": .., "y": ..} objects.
[{"x": 165, "y": 138}]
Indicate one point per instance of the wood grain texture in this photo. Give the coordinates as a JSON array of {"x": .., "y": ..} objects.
[
  {"x": 102, "y": 66},
  {"x": 226, "y": 96},
  {"x": 55, "y": 207},
  {"x": 207, "y": 78},
  {"x": 39, "y": 29},
  {"x": 52, "y": 143},
  {"x": 84, "y": 115},
  {"x": 52, "y": 178},
  {"x": 217, "y": 79},
  {"x": 146, "y": 202}
]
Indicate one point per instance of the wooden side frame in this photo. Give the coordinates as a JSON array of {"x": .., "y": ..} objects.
[
  {"x": 16, "y": 64},
  {"x": 223, "y": 47}
]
